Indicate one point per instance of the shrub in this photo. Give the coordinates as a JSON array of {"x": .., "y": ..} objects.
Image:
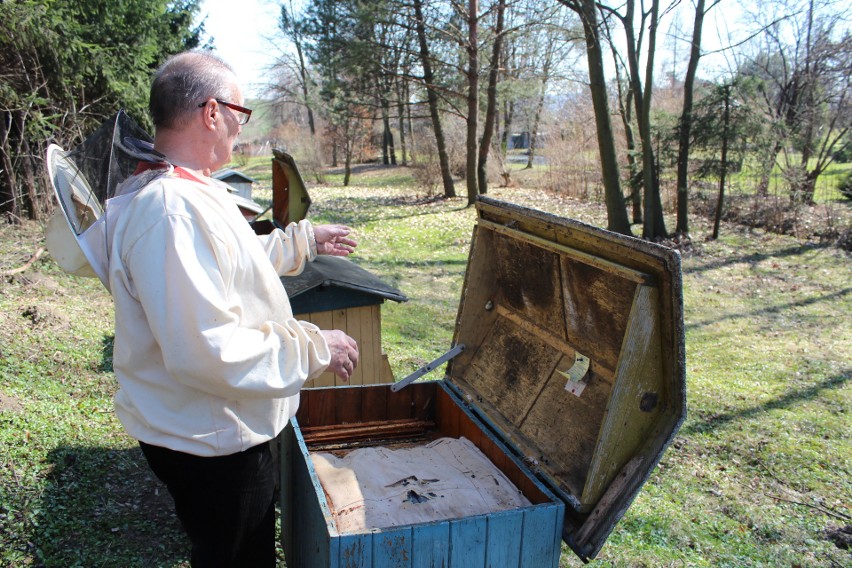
[{"x": 845, "y": 185}]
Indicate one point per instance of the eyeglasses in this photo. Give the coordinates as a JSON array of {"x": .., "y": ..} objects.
[{"x": 243, "y": 113}]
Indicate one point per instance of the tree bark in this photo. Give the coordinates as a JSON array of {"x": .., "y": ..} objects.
[
  {"x": 432, "y": 97},
  {"x": 653, "y": 226},
  {"x": 491, "y": 108},
  {"x": 616, "y": 213},
  {"x": 472, "y": 100},
  {"x": 539, "y": 107},
  {"x": 682, "y": 227},
  {"x": 724, "y": 165},
  {"x": 400, "y": 109},
  {"x": 9, "y": 198},
  {"x": 303, "y": 74}
]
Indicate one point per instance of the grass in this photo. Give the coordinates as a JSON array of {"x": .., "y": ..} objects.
[{"x": 759, "y": 475}]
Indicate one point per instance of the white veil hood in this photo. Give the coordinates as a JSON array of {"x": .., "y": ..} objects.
[{"x": 84, "y": 180}]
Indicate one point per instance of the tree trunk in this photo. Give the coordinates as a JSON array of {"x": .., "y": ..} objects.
[
  {"x": 388, "y": 151},
  {"x": 472, "y": 101},
  {"x": 35, "y": 202},
  {"x": 410, "y": 121},
  {"x": 491, "y": 108},
  {"x": 400, "y": 110},
  {"x": 508, "y": 115},
  {"x": 635, "y": 181},
  {"x": 616, "y": 213},
  {"x": 682, "y": 227},
  {"x": 9, "y": 198},
  {"x": 724, "y": 166},
  {"x": 653, "y": 226},
  {"x": 348, "y": 149},
  {"x": 432, "y": 97},
  {"x": 536, "y": 119},
  {"x": 303, "y": 73}
]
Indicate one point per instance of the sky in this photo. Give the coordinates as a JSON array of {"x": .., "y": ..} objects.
[{"x": 240, "y": 29}]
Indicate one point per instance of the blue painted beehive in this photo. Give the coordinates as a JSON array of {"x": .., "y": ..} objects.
[{"x": 571, "y": 383}]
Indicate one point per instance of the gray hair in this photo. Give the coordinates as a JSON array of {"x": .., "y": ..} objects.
[{"x": 184, "y": 81}]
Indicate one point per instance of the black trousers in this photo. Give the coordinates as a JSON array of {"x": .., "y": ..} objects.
[{"x": 226, "y": 504}]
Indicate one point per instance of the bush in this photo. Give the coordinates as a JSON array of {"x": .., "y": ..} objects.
[{"x": 845, "y": 185}]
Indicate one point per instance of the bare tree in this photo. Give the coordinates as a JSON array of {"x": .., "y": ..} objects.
[
  {"x": 491, "y": 98},
  {"x": 802, "y": 61},
  {"x": 432, "y": 96},
  {"x": 616, "y": 213},
  {"x": 293, "y": 28},
  {"x": 685, "y": 126},
  {"x": 653, "y": 223}
]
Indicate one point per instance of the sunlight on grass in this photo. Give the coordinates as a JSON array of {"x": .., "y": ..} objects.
[{"x": 758, "y": 475}]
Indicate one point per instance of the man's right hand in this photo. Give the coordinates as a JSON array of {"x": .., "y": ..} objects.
[{"x": 344, "y": 353}]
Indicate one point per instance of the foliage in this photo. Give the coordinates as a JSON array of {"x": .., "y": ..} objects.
[
  {"x": 710, "y": 131},
  {"x": 67, "y": 66},
  {"x": 845, "y": 185}
]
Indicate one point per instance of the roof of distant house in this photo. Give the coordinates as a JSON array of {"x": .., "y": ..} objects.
[{"x": 228, "y": 173}]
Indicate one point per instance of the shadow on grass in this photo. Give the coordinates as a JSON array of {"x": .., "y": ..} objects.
[
  {"x": 773, "y": 310},
  {"x": 791, "y": 397},
  {"x": 104, "y": 507},
  {"x": 437, "y": 263},
  {"x": 759, "y": 257},
  {"x": 358, "y": 210}
]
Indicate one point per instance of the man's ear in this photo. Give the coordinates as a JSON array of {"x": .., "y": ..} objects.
[{"x": 209, "y": 113}]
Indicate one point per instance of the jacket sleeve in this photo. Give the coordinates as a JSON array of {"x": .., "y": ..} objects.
[
  {"x": 199, "y": 321},
  {"x": 289, "y": 249}
]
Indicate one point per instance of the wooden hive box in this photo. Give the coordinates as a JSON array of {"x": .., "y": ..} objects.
[
  {"x": 571, "y": 382},
  {"x": 335, "y": 293}
]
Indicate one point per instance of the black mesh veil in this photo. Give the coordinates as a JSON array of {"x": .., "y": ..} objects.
[
  {"x": 83, "y": 180},
  {"x": 111, "y": 154}
]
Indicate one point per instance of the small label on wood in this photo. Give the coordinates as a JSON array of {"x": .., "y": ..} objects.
[{"x": 576, "y": 374}]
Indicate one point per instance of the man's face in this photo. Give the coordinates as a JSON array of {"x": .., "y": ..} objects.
[{"x": 230, "y": 122}]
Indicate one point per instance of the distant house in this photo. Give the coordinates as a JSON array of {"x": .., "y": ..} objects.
[{"x": 238, "y": 180}]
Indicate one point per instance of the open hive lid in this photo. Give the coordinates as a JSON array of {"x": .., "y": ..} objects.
[
  {"x": 574, "y": 354},
  {"x": 290, "y": 199}
]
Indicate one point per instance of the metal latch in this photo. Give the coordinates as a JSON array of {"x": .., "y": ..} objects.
[
  {"x": 575, "y": 375},
  {"x": 428, "y": 368}
]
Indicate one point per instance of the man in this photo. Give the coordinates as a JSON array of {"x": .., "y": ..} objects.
[{"x": 208, "y": 356}]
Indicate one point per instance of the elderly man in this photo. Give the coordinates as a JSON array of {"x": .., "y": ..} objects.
[{"x": 208, "y": 356}]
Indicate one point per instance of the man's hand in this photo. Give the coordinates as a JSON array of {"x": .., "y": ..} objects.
[
  {"x": 344, "y": 353},
  {"x": 333, "y": 240}
]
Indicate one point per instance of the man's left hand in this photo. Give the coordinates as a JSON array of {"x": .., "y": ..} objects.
[{"x": 332, "y": 240}]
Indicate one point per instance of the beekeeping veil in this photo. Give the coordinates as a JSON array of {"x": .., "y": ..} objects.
[{"x": 83, "y": 180}]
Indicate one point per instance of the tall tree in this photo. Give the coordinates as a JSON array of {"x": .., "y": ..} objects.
[
  {"x": 722, "y": 129},
  {"x": 432, "y": 96},
  {"x": 67, "y": 66},
  {"x": 616, "y": 213},
  {"x": 293, "y": 27},
  {"x": 472, "y": 99},
  {"x": 490, "y": 121},
  {"x": 802, "y": 60},
  {"x": 685, "y": 126},
  {"x": 653, "y": 223}
]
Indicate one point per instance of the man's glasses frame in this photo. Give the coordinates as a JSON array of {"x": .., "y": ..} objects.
[{"x": 242, "y": 118}]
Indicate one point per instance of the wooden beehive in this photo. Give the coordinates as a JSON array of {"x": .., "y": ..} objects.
[
  {"x": 335, "y": 293},
  {"x": 571, "y": 382}
]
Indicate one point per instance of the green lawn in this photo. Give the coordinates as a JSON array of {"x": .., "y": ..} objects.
[{"x": 759, "y": 474}]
